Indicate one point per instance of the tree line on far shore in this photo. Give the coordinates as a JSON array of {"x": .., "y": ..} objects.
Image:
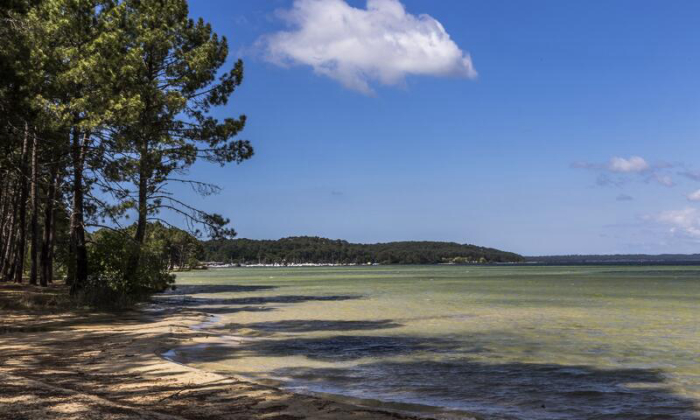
[
  {"x": 297, "y": 250},
  {"x": 104, "y": 104}
]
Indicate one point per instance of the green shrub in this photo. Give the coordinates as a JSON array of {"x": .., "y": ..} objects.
[{"x": 110, "y": 283}]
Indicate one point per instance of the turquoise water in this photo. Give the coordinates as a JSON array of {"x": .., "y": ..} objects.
[{"x": 502, "y": 342}]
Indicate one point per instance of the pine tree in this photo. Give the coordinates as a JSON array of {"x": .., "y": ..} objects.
[
  {"x": 74, "y": 46},
  {"x": 174, "y": 63}
]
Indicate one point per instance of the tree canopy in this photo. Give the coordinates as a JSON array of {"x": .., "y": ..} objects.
[{"x": 103, "y": 105}]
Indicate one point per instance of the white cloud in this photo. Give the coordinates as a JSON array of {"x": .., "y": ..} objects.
[
  {"x": 354, "y": 46},
  {"x": 663, "y": 179},
  {"x": 633, "y": 164},
  {"x": 618, "y": 171},
  {"x": 694, "y": 196},
  {"x": 685, "y": 222}
]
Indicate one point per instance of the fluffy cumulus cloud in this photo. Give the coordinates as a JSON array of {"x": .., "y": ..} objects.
[
  {"x": 694, "y": 196},
  {"x": 381, "y": 43},
  {"x": 684, "y": 222}
]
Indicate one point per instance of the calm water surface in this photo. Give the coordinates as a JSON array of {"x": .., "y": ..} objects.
[{"x": 501, "y": 342}]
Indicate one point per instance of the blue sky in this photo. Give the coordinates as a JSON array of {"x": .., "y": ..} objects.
[{"x": 540, "y": 127}]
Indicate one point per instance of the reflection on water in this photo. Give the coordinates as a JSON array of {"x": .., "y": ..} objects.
[{"x": 503, "y": 342}]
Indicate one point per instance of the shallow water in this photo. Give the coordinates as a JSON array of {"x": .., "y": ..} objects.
[{"x": 501, "y": 342}]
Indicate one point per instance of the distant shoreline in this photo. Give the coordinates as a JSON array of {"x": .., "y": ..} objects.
[{"x": 533, "y": 263}]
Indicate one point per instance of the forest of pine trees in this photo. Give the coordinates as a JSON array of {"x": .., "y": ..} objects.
[
  {"x": 104, "y": 104},
  {"x": 305, "y": 249}
]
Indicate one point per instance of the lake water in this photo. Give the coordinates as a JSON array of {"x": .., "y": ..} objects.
[{"x": 501, "y": 342}]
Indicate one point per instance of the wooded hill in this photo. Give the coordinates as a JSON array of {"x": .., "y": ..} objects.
[{"x": 321, "y": 250}]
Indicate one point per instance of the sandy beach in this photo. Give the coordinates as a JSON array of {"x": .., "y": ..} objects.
[{"x": 101, "y": 366}]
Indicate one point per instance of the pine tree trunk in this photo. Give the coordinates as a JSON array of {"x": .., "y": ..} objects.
[
  {"x": 143, "y": 209},
  {"x": 142, "y": 222},
  {"x": 171, "y": 258},
  {"x": 10, "y": 244},
  {"x": 77, "y": 223},
  {"x": 22, "y": 223},
  {"x": 34, "y": 224},
  {"x": 4, "y": 219},
  {"x": 13, "y": 262},
  {"x": 49, "y": 228},
  {"x": 4, "y": 181},
  {"x": 52, "y": 238}
]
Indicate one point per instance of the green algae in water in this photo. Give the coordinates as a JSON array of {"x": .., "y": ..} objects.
[{"x": 503, "y": 342}]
